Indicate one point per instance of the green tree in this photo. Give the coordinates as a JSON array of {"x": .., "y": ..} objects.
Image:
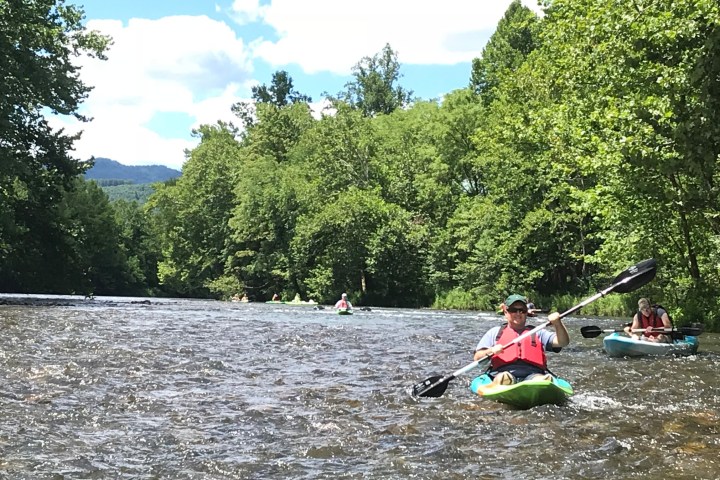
[
  {"x": 640, "y": 95},
  {"x": 139, "y": 242},
  {"x": 192, "y": 214},
  {"x": 514, "y": 38},
  {"x": 280, "y": 93},
  {"x": 360, "y": 244},
  {"x": 38, "y": 41},
  {"x": 337, "y": 153},
  {"x": 374, "y": 90},
  {"x": 261, "y": 227},
  {"x": 98, "y": 263}
]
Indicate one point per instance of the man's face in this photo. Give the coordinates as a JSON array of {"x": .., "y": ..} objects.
[{"x": 516, "y": 314}]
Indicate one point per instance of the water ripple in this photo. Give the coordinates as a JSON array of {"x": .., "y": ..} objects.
[{"x": 122, "y": 388}]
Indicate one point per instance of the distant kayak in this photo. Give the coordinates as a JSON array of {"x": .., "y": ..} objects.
[
  {"x": 619, "y": 345},
  {"x": 293, "y": 303},
  {"x": 344, "y": 311},
  {"x": 523, "y": 395},
  {"x": 301, "y": 303}
]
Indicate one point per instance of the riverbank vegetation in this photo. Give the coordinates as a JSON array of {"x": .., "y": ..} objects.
[{"x": 587, "y": 140}]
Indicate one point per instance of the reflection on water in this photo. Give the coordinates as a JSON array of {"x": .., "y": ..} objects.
[{"x": 107, "y": 388}]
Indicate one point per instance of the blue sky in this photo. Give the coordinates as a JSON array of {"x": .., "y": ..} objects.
[{"x": 175, "y": 64}]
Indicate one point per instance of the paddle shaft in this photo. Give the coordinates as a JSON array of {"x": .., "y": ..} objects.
[
  {"x": 593, "y": 331},
  {"x": 634, "y": 330},
  {"x": 486, "y": 359},
  {"x": 689, "y": 331},
  {"x": 562, "y": 315},
  {"x": 642, "y": 330}
]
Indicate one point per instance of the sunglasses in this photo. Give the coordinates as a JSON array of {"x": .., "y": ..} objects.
[{"x": 516, "y": 310}]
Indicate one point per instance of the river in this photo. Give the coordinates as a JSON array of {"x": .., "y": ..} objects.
[{"x": 191, "y": 389}]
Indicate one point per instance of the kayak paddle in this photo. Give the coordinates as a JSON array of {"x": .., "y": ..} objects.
[
  {"x": 627, "y": 281},
  {"x": 592, "y": 332}
]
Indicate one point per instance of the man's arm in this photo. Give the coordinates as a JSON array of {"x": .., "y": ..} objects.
[
  {"x": 562, "y": 338},
  {"x": 487, "y": 345}
]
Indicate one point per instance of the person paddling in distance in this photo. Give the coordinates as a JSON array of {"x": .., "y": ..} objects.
[
  {"x": 532, "y": 311},
  {"x": 343, "y": 303},
  {"x": 526, "y": 359},
  {"x": 650, "y": 317}
]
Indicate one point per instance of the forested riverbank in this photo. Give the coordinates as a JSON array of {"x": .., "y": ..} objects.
[{"x": 587, "y": 140}]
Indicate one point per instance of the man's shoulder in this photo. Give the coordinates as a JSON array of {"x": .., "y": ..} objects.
[
  {"x": 546, "y": 333},
  {"x": 493, "y": 331}
]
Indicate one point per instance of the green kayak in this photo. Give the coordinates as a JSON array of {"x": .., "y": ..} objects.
[
  {"x": 525, "y": 394},
  {"x": 344, "y": 311}
]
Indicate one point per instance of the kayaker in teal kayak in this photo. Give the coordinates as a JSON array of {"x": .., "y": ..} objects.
[
  {"x": 527, "y": 359},
  {"x": 650, "y": 317},
  {"x": 343, "y": 303}
]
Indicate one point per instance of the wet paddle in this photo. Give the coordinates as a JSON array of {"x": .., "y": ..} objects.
[
  {"x": 592, "y": 332},
  {"x": 627, "y": 281}
]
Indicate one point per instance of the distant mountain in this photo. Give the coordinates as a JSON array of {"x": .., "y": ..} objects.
[{"x": 106, "y": 169}]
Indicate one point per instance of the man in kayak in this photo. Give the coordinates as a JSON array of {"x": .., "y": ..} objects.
[
  {"x": 650, "y": 317},
  {"x": 343, "y": 303},
  {"x": 527, "y": 359}
]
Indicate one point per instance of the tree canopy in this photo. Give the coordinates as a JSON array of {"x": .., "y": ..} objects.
[{"x": 585, "y": 141}]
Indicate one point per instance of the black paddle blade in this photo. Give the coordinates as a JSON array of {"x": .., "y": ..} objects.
[
  {"x": 431, "y": 387},
  {"x": 691, "y": 331},
  {"x": 635, "y": 276},
  {"x": 590, "y": 332}
]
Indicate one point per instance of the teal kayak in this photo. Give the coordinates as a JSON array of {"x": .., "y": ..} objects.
[
  {"x": 619, "y": 345},
  {"x": 523, "y": 395}
]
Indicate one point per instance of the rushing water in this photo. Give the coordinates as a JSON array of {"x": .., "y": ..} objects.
[{"x": 108, "y": 388}]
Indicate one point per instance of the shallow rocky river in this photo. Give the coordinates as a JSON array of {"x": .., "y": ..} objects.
[{"x": 190, "y": 389}]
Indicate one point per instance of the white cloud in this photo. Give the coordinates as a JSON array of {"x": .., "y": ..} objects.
[
  {"x": 247, "y": 11},
  {"x": 194, "y": 66},
  {"x": 197, "y": 67},
  {"x": 322, "y": 35}
]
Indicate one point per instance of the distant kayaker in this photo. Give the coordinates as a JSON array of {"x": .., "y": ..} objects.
[
  {"x": 520, "y": 362},
  {"x": 276, "y": 297},
  {"x": 343, "y": 303},
  {"x": 650, "y": 317},
  {"x": 531, "y": 308}
]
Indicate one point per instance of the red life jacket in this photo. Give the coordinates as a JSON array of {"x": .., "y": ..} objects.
[
  {"x": 342, "y": 304},
  {"x": 529, "y": 349},
  {"x": 653, "y": 321}
]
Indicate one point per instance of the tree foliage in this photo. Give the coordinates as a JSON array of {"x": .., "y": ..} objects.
[
  {"x": 280, "y": 93},
  {"x": 514, "y": 39},
  {"x": 38, "y": 42},
  {"x": 586, "y": 141},
  {"x": 374, "y": 90}
]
